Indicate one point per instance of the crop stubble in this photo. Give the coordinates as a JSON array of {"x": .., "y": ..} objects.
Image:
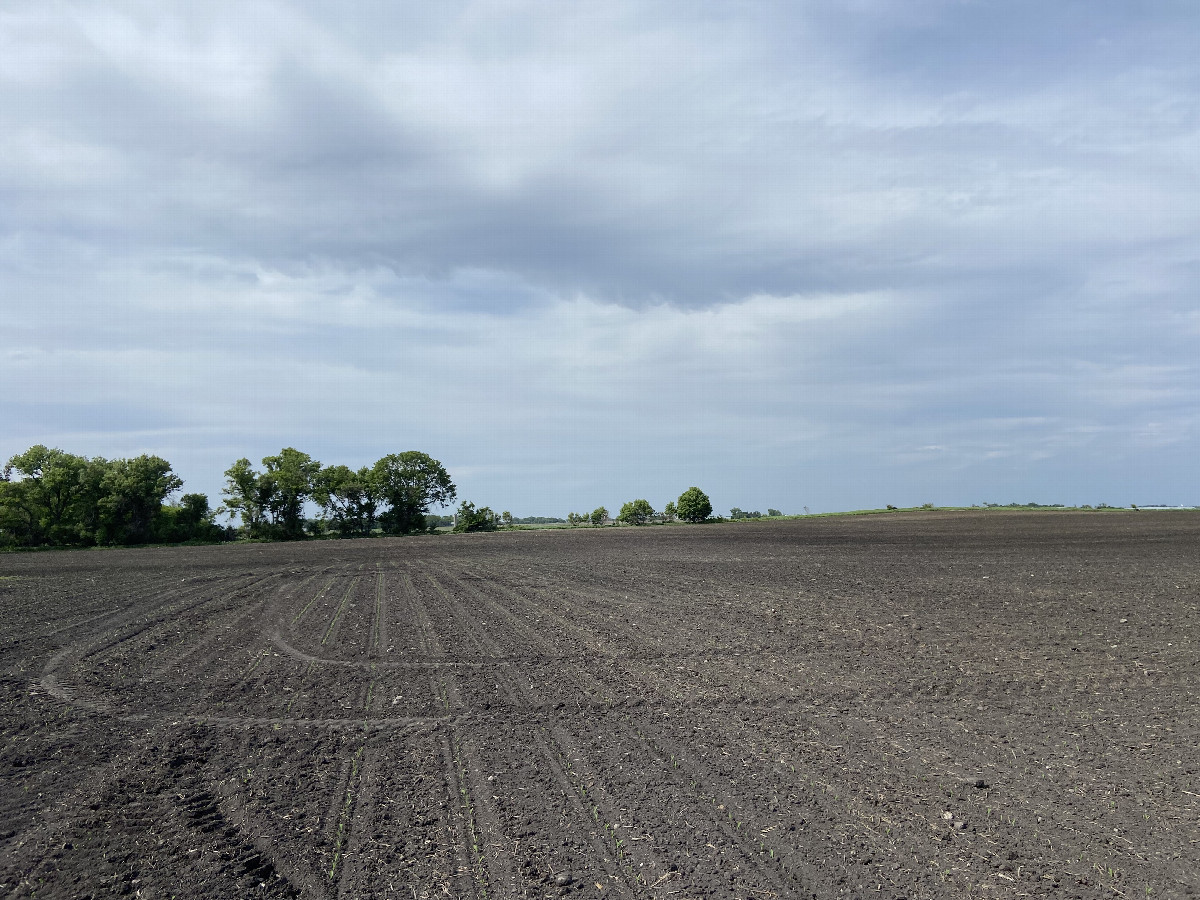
[{"x": 777, "y": 709}]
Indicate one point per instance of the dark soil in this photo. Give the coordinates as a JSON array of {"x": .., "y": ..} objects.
[{"x": 909, "y": 705}]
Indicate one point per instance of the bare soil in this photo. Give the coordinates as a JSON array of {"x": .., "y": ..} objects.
[{"x": 910, "y": 705}]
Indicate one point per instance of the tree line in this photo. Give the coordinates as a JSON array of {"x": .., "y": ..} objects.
[
  {"x": 52, "y": 498},
  {"x": 49, "y": 498},
  {"x": 693, "y": 505},
  {"x": 393, "y": 495}
]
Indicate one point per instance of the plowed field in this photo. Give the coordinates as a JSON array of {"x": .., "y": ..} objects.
[{"x": 916, "y": 705}]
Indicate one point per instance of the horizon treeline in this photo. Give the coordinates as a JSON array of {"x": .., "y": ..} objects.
[{"x": 49, "y": 498}]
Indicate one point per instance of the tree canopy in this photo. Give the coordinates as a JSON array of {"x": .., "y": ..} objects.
[
  {"x": 409, "y": 484},
  {"x": 472, "y": 519},
  {"x": 349, "y": 498},
  {"x": 693, "y": 505},
  {"x": 395, "y": 493},
  {"x": 636, "y": 512},
  {"x": 52, "y": 498}
]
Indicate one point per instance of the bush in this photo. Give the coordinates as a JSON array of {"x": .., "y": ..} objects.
[
  {"x": 636, "y": 512},
  {"x": 472, "y": 519}
]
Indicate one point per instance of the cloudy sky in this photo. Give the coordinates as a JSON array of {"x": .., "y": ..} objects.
[{"x": 801, "y": 254}]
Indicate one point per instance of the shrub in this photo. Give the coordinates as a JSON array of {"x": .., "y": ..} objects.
[
  {"x": 472, "y": 519},
  {"x": 636, "y": 512}
]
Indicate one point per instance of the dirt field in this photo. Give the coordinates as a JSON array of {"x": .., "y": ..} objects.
[{"x": 914, "y": 705}]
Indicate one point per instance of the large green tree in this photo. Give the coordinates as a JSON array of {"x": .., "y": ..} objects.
[
  {"x": 291, "y": 471},
  {"x": 51, "y": 497},
  {"x": 693, "y": 505},
  {"x": 47, "y": 496},
  {"x": 410, "y": 483},
  {"x": 349, "y": 498},
  {"x": 131, "y": 497},
  {"x": 249, "y": 494}
]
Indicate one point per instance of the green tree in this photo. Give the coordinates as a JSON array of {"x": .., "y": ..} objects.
[
  {"x": 636, "y": 512},
  {"x": 349, "y": 498},
  {"x": 669, "y": 511},
  {"x": 599, "y": 515},
  {"x": 49, "y": 497},
  {"x": 472, "y": 519},
  {"x": 506, "y": 518},
  {"x": 249, "y": 494},
  {"x": 773, "y": 512},
  {"x": 291, "y": 471},
  {"x": 693, "y": 505},
  {"x": 131, "y": 495},
  {"x": 410, "y": 483},
  {"x": 575, "y": 518},
  {"x": 189, "y": 520}
]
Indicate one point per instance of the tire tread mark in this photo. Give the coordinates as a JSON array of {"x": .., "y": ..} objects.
[
  {"x": 378, "y": 640},
  {"x": 427, "y": 637},
  {"x": 555, "y": 747},
  {"x": 466, "y": 841},
  {"x": 705, "y": 790},
  {"x": 337, "y": 613},
  {"x": 317, "y": 596},
  {"x": 519, "y": 695}
]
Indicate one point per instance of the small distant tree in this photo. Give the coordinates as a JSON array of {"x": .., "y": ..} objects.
[
  {"x": 773, "y": 512},
  {"x": 599, "y": 515},
  {"x": 506, "y": 518},
  {"x": 694, "y": 505},
  {"x": 575, "y": 518},
  {"x": 636, "y": 512},
  {"x": 669, "y": 511},
  {"x": 472, "y": 519}
]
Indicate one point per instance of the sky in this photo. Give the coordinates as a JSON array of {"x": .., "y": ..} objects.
[{"x": 804, "y": 255}]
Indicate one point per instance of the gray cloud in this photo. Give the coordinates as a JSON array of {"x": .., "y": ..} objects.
[{"x": 810, "y": 252}]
